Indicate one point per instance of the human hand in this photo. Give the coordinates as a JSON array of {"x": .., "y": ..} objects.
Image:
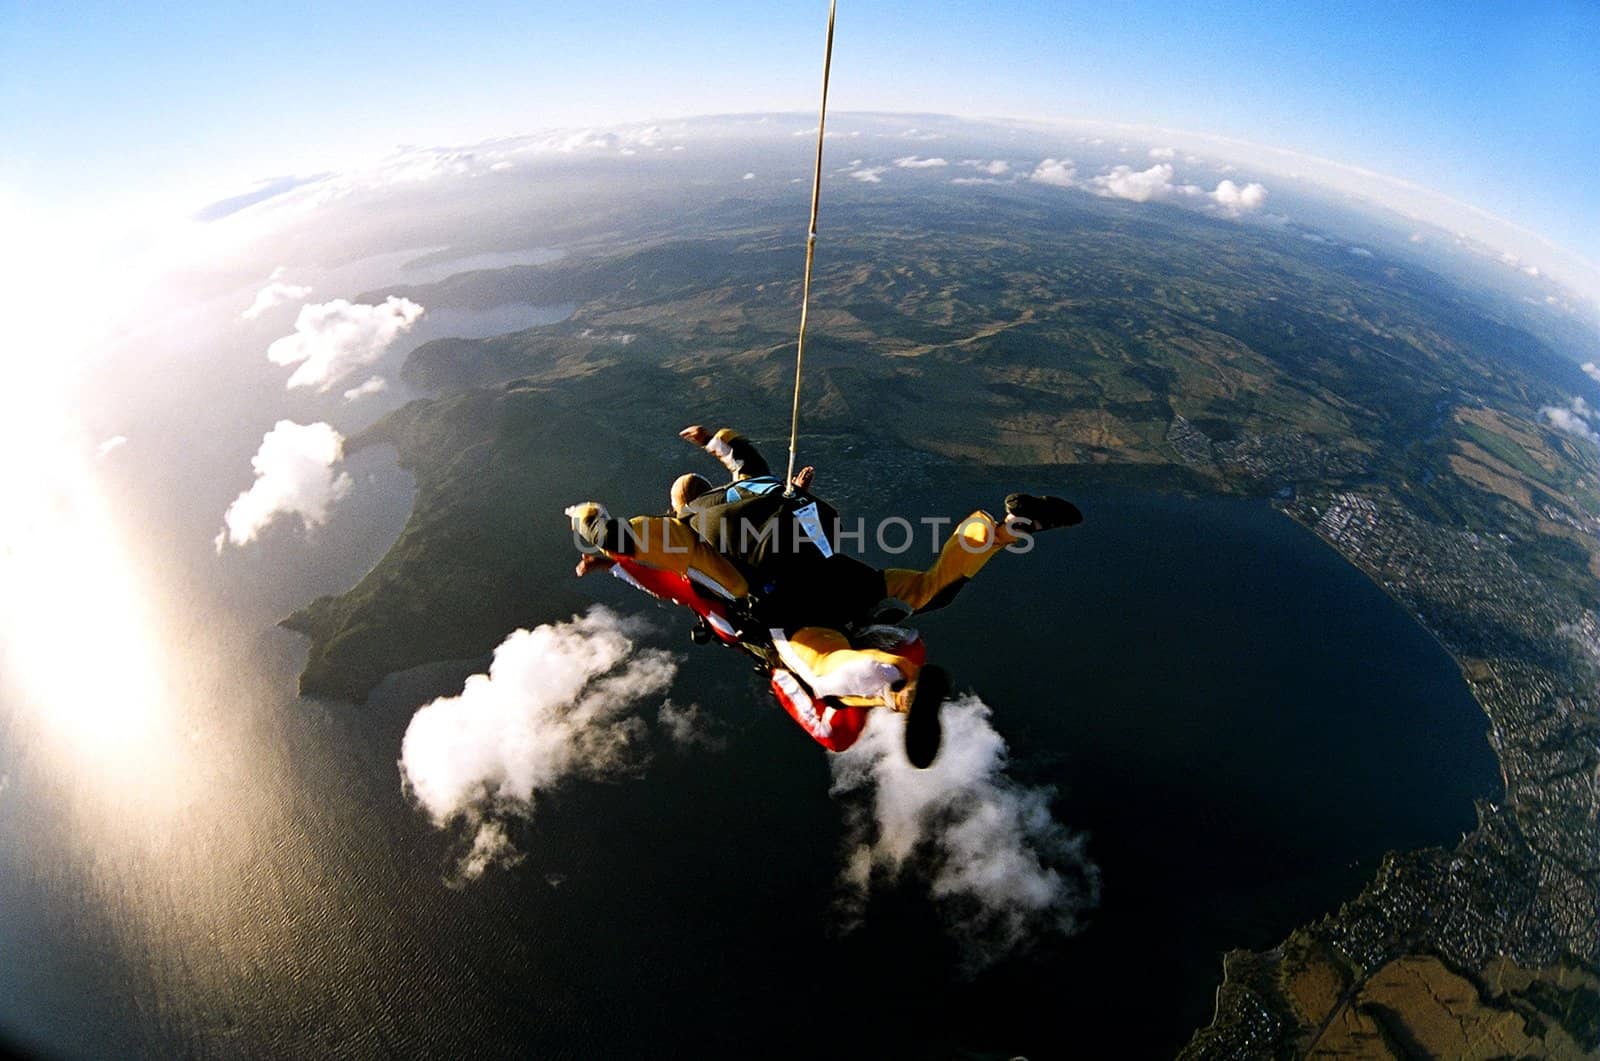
[
  {"x": 695, "y": 434},
  {"x": 592, "y": 562}
]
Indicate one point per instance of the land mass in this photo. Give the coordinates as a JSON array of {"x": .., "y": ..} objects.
[{"x": 1387, "y": 409}]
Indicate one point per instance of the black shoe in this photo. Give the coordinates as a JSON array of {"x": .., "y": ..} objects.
[
  {"x": 1045, "y": 513},
  {"x": 923, "y": 730}
]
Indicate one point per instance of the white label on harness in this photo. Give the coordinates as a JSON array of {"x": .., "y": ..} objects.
[{"x": 811, "y": 523}]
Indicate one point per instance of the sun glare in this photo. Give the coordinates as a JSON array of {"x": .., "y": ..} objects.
[{"x": 83, "y": 666}]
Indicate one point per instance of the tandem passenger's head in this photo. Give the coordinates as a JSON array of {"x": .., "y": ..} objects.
[{"x": 686, "y": 488}]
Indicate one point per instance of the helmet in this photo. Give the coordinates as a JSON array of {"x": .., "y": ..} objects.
[{"x": 586, "y": 518}]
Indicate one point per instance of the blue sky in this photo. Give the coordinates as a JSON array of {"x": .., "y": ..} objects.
[{"x": 1497, "y": 105}]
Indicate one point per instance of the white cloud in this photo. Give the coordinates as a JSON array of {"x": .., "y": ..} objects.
[
  {"x": 1163, "y": 153},
  {"x": 587, "y": 140},
  {"x": 1576, "y": 418},
  {"x": 1359, "y": 252},
  {"x": 111, "y": 445},
  {"x": 1569, "y": 422},
  {"x": 688, "y": 727},
  {"x": 294, "y": 476},
  {"x": 1057, "y": 171},
  {"x": 913, "y": 162},
  {"x": 332, "y": 339},
  {"x": 375, "y": 385},
  {"x": 276, "y": 293},
  {"x": 1158, "y": 184},
  {"x": 491, "y": 846},
  {"x": 976, "y": 180},
  {"x": 558, "y": 703},
  {"x": 1591, "y": 370},
  {"x": 996, "y": 168},
  {"x": 748, "y": 177},
  {"x": 1141, "y": 186},
  {"x": 502, "y": 166},
  {"x": 870, "y": 174},
  {"x": 921, "y": 134},
  {"x": 1235, "y": 200},
  {"x": 1004, "y": 871}
]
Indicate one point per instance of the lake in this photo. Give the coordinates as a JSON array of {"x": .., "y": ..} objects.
[{"x": 1238, "y": 721}]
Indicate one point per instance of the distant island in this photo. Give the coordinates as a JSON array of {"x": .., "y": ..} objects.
[{"x": 1390, "y": 410}]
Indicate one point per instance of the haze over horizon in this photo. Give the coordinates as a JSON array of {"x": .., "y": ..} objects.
[{"x": 121, "y": 117}]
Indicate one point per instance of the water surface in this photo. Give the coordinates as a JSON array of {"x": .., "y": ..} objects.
[{"x": 1241, "y": 723}]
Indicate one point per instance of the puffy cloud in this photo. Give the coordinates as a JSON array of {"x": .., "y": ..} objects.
[
  {"x": 869, "y": 174},
  {"x": 375, "y": 385},
  {"x": 1569, "y": 422},
  {"x": 1002, "y": 868},
  {"x": 1141, "y": 186},
  {"x": 294, "y": 476},
  {"x": 276, "y": 293},
  {"x": 748, "y": 177},
  {"x": 1236, "y": 200},
  {"x": 1158, "y": 184},
  {"x": 913, "y": 162},
  {"x": 558, "y": 703},
  {"x": 1163, "y": 153},
  {"x": 996, "y": 168},
  {"x": 111, "y": 445},
  {"x": 1057, "y": 171},
  {"x": 1359, "y": 252},
  {"x": 921, "y": 134},
  {"x": 1575, "y": 418},
  {"x": 1591, "y": 370},
  {"x": 332, "y": 339}
]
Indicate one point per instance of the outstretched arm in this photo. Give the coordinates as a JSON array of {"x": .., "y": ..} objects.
[
  {"x": 732, "y": 450},
  {"x": 656, "y": 541}
]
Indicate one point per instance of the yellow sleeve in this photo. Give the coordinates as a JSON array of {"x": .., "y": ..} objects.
[{"x": 672, "y": 545}]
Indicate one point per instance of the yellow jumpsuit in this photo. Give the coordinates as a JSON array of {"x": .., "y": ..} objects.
[
  {"x": 824, "y": 658},
  {"x": 671, "y": 544}
]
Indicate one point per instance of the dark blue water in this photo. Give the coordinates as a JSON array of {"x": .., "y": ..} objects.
[{"x": 1241, "y": 723}]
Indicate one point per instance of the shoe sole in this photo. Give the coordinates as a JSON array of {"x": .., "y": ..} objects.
[
  {"x": 923, "y": 730},
  {"x": 1047, "y": 512}
]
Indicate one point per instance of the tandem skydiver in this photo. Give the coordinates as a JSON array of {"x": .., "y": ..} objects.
[{"x": 822, "y": 615}]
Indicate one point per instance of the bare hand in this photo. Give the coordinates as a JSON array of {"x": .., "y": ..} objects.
[
  {"x": 803, "y": 477},
  {"x": 696, "y": 434},
  {"x": 592, "y": 562}
]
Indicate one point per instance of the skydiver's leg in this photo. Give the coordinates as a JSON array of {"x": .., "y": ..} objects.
[
  {"x": 824, "y": 660},
  {"x": 974, "y": 542}
]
